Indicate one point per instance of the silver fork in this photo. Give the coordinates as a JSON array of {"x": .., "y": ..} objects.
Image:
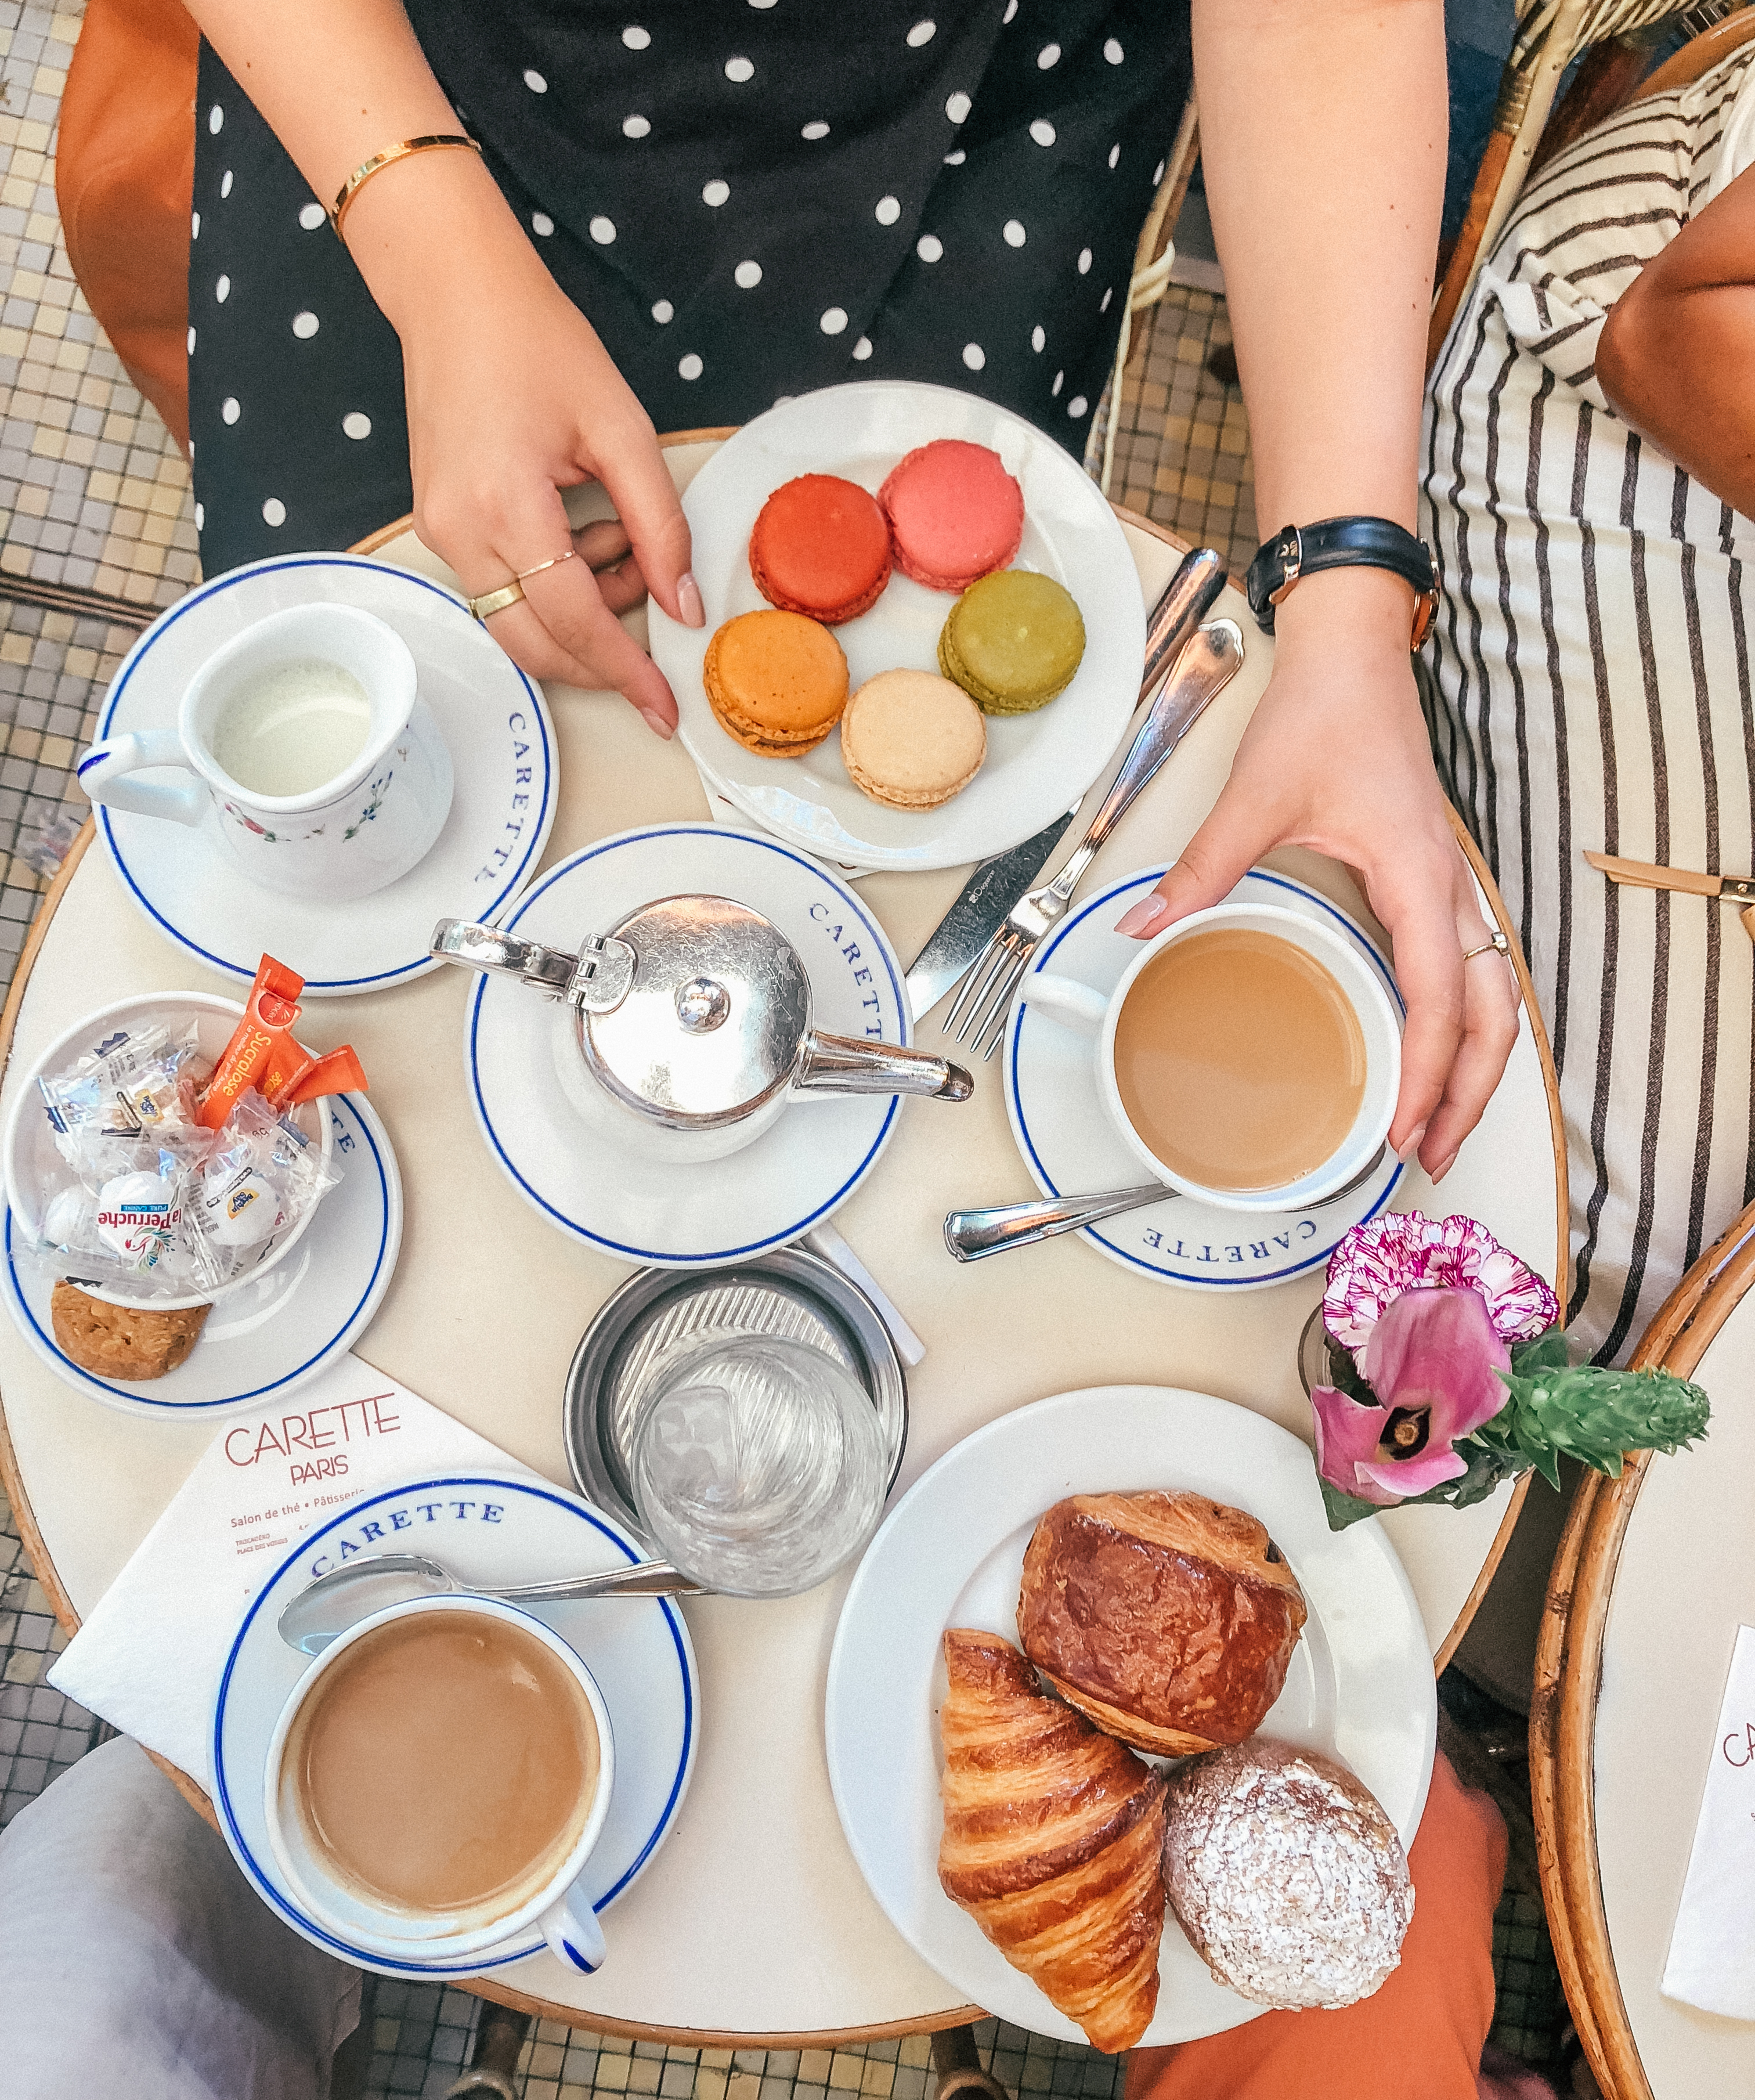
[{"x": 1205, "y": 667}]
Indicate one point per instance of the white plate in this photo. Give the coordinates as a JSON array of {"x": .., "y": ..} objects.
[
  {"x": 1071, "y": 1148},
  {"x": 637, "y": 1649},
  {"x": 267, "y": 1337},
  {"x": 1036, "y": 763},
  {"x": 644, "y": 1209},
  {"x": 496, "y": 725},
  {"x": 951, "y": 1553}
]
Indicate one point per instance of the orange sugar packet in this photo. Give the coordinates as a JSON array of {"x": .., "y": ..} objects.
[
  {"x": 269, "y": 1013},
  {"x": 335, "y": 1072}
]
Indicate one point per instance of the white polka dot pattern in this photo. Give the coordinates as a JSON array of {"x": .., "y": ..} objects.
[
  {"x": 929, "y": 247},
  {"x": 1060, "y": 381},
  {"x": 636, "y": 38},
  {"x": 1084, "y": 262},
  {"x": 716, "y": 193},
  {"x": 887, "y": 210},
  {"x": 746, "y": 276},
  {"x": 957, "y": 107},
  {"x": 1043, "y": 132},
  {"x": 229, "y": 410},
  {"x": 1076, "y": 407},
  {"x": 541, "y": 224},
  {"x": 305, "y": 325},
  {"x": 816, "y": 129},
  {"x": 1115, "y": 153},
  {"x": 602, "y": 230},
  {"x": 1113, "y": 51},
  {"x": 635, "y": 127},
  {"x": 1014, "y": 233},
  {"x": 974, "y": 356},
  {"x": 690, "y": 367},
  {"x": 311, "y": 216},
  {"x": 535, "y": 81},
  {"x": 955, "y": 160},
  {"x": 1108, "y": 295},
  {"x": 201, "y": 516},
  {"x": 834, "y": 322},
  {"x": 225, "y": 183},
  {"x": 1048, "y": 56},
  {"x": 356, "y": 424},
  {"x": 274, "y": 511},
  {"x": 739, "y": 70},
  {"x": 191, "y": 342},
  {"x": 664, "y": 312},
  {"x": 222, "y": 290},
  {"x": 862, "y": 348},
  {"x": 922, "y": 32},
  {"x": 216, "y": 118},
  {"x": 1039, "y": 338},
  {"x": 195, "y": 226}
]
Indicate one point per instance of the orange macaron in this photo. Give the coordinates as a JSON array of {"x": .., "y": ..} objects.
[
  {"x": 776, "y": 681},
  {"x": 820, "y": 546}
]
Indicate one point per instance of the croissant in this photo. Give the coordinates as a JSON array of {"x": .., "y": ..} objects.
[{"x": 1053, "y": 1841}]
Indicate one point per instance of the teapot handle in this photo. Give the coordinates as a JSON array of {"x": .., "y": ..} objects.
[
  {"x": 846, "y": 1065},
  {"x": 487, "y": 948}
]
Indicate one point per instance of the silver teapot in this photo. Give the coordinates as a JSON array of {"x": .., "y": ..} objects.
[{"x": 684, "y": 1030}]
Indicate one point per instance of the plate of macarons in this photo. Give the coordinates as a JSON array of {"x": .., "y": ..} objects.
[{"x": 924, "y": 629}]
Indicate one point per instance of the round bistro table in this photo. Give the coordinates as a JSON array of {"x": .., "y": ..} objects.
[
  {"x": 1628, "y": 1687},
  {"x": 752, "y": 1926}
]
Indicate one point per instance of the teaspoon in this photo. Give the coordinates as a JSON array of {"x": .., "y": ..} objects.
[
  {"x": 972, "y": 1235},
  {"x": 330, "y": 1605}
]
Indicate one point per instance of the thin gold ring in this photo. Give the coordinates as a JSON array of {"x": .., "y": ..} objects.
[
  {"x": 554, "y": 561},
  {"x": 1497, "y": 946},
  {"x": 497, "y": 601}
]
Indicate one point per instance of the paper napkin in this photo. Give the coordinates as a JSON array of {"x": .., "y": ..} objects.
[
  {"x": 1711, "y": 1951},
  {"x": 149, "y": 1657}
]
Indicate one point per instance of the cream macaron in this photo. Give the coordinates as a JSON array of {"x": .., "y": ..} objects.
[{"x": 912, "y": 739}]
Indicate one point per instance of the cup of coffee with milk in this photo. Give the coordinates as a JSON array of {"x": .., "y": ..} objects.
[
  {"x": 306, "y": 738},
  {"x": 1250, "y": 1058},
  {"x": 437, "y": 1781}
]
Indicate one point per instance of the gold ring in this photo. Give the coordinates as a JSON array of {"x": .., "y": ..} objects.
[
  {"x": 1497, "y": 946},
  {"x": 497, "y": 601},
  {"x": 554, "y": 561}
]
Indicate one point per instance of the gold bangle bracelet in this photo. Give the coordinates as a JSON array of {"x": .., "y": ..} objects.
[{"x": 367, "y": 169}]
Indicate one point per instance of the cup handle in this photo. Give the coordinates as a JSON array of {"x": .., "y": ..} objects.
[
  {"x": 1067, "y": 1000},
  {"x": 107, "y": 773},
  {"x": 572, "y": 1929}
]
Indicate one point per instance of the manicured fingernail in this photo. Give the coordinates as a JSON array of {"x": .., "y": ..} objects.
[
  {"x": 1405, "y": 1153},
  {"x": 689, "y": 600},
  {"x": 1142, "y": 917},
  {"x": 657, "y": 724},
  {"x": 1442, "y": 1169}
]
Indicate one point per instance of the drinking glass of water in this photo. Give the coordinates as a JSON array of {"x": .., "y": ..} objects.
[{"x": 758, "y": 1463}]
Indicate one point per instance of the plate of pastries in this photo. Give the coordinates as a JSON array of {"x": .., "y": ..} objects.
[
  {"x": 1127, "y": 1744},
  {"x": 924, "y": 630}
]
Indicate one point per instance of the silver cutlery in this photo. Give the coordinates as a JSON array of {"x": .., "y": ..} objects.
[
  {"x": 997, "y": 885},
  {"x": 1208, "y": 663},
  {"x": 334, "y": 1602},
  {"x": 972, "y": 1235}
]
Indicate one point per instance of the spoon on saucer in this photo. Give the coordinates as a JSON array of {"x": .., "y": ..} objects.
[
  {"x": 972, "y": 1235},
  {"x": 334, "y": 1602}
]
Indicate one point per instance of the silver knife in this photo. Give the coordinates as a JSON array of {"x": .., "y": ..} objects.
[{"x": 997, "y": 885}]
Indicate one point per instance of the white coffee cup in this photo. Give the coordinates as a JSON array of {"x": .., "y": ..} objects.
[
  {"x": 560, "y": 1908},
  {"x": 350, "y": 835},
  {"x": 1083, "y": 1008}
]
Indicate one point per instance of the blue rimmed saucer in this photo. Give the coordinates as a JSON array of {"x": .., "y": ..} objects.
[
  {"x": 498, "y": 1531},
  {"x": 264, "y": 1340},
  {"x": 1071, "y": 1148},
  {"x": 642, "y": 1209},
  {"x": 496, "y": 725}
]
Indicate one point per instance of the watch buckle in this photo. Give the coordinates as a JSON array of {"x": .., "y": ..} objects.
[{"x": 1291, "y": 551}]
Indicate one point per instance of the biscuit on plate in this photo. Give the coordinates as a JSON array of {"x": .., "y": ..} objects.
[{"x": 133, "y": 1342}]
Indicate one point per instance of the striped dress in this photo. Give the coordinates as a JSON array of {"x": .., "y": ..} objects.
[{"x": 1591, "y": 688}]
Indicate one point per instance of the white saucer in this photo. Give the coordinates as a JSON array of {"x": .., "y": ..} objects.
[
  {"x": 637, "y": 1648},
  {"x": 1036, "y": 763},
  {"x": 264, "y": 1338},
  {"x": 950, "y": 1554},
  {"x": 496, "y": 725},
  {"x": 648, "y": 1210},
  {"x": 1071, "y": 1147}
]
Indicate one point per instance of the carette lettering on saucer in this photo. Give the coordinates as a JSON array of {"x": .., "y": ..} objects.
[
  {"x": 378, "y": 1531},
  {"x": 522, "y": 774},
  {"x": 1262, "y": 1250},
  {"x": 833, "y": 924}
]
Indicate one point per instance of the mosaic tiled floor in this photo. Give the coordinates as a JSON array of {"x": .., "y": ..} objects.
[{"x": 94, "y": 496}]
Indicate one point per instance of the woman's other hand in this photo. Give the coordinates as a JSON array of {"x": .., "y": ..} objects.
[
  {"x": 1335, "y": 758},
  {"x": 511, "y": 398}
]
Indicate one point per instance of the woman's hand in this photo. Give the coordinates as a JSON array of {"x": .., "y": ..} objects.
[
  {"x": 512, "y": 397},
  {"x": 1336, "y": 758}
]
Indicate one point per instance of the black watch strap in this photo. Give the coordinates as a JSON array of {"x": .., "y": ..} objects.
[{"x": 1343, "y": 543}]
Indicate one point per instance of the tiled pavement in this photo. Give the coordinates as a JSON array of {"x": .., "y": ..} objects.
[{"x": 93, "y": 495}]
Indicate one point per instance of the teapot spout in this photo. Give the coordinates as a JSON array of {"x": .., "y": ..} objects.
[{"x": 843, "y": 1064}]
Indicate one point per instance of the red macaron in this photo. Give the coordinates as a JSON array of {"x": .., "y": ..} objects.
[
  {"x": 955, "y": 514},
  {"x": 821, "y": 547}
]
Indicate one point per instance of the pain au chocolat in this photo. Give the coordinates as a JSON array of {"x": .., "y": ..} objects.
[{"x": 1169, "y": 1619}]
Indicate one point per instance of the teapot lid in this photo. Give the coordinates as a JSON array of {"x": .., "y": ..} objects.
[{"x": 712, "y": 1025}]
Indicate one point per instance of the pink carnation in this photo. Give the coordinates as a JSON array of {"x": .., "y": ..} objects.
[{"x": 1401, "y": 1251}]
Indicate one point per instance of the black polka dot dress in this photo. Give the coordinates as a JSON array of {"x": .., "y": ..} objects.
[{"x": 746, "y": 198}]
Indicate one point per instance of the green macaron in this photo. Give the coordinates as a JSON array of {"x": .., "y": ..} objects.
[{"x": 1013, "y": 641}]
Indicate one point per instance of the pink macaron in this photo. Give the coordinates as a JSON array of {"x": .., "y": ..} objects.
[{"x": 954, "y": 513}]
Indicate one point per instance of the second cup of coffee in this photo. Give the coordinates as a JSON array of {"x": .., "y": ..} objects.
[{"x": 1248, "y": 1057}]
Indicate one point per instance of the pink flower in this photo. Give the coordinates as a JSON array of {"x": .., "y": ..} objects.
[
  {"x": 1378, "y": 1260},
  {"x": 1432, "y": 1359}
]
